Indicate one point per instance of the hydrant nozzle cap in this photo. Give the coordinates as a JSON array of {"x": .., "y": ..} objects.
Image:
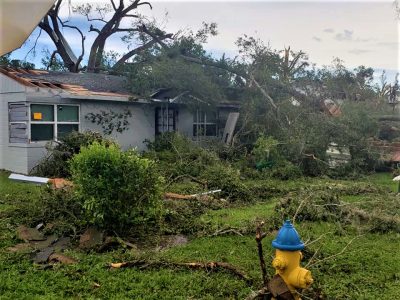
[{"x": 287, "y": 238}]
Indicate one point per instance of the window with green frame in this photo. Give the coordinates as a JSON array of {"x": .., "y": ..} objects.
[{"x": 52, "y": 121}]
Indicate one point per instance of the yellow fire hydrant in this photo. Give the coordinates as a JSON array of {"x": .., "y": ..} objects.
[{"x": 287, "y": 259}]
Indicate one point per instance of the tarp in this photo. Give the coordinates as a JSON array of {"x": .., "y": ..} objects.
[{"x": 18, "y": 18}]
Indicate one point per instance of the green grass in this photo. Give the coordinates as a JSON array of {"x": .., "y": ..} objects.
[{"x": 368, "y": 268}]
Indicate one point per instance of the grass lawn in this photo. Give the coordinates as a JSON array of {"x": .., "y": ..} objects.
[{"x": 367, "y": 268}]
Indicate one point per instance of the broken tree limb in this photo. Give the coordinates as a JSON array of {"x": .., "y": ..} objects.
[
  {"x": 186, "y": 197},
  {"x": 259, "y": 237},
  {"x": 256, "y": 294},
  {"x": 209, "y": 266}
]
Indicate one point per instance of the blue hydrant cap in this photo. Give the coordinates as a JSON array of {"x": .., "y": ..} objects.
[{"x": 288, "y": 238}]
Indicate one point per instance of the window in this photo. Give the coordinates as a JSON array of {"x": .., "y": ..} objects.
[
  {"x": 204, "y": 123},
  {"x": 165, "y": 119},
  {"x": 48, "y": 122}
]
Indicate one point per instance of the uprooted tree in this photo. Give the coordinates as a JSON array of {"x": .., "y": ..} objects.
[{"x": 105, "y": 20}]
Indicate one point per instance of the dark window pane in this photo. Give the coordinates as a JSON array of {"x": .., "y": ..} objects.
[
  {"x": 64, "y": 129},
  {"x": 42, "y": 132},
  {"x": 211, "y": 130},
  {"x": 41, "y": 112},
  {"x": 67, "y": 113},
  {"x": 211, "y": 117}
]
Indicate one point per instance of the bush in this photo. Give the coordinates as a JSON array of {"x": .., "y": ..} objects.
[
  {"x": 226, "y": 178},
  {"x": 286, "y": 171},
  {"x": 56, "y": 163},
  {"x": 118, "y": 189}
]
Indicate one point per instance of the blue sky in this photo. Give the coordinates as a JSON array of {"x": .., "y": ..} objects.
[{"x": 360, "y": 33}]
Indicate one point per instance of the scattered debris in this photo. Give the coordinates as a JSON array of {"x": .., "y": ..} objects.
[
  {"x": 29, "y": 179},
  {"x": 175, "y": 196},
  {"x": 227, "y": 231},
  {"x": 39, "y": 245},
  {"x": 60, "y": 183},
  {"x": 96, "y": 285},
  {"x": 62, "y": 244},
  {"x": 109, "y": 243},
  {"x": 39, "y": 226},
  {"x": 29, "y": 234},
  {"x": 20, "y": 248},
  {"x": 209, "y": 266},
  {"x": 61, "y": 258},
  {"x": 279, "y": 289},
  {"x": 91, "y": 238},
  {"x": 172, "y": 241},
  {"x": 42, "y": 256}
]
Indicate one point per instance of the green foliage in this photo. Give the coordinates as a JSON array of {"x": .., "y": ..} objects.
[
  {"x": 286, "y": 171},
  {"x": 52, "y": 61},
  {"x": 177, "y": 156},
  {"x": 117, "y": 189},
  {"x": 226, "y": 178},
  {"x": 56, "y": 162},
  {"x": 265, "y": 151}
]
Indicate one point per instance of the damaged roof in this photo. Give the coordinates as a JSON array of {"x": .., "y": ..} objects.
[{"x": 84, "y": 84}]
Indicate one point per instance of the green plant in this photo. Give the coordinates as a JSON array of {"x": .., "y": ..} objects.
[
  {"x": 56, "y": 162},
  {"x": 117, "y": 189},
  {"x": 224, "y": 177},
  {"x": 286, "y": 171}
]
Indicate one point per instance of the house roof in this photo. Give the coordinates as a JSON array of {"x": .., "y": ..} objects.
[{"x": 80, "y": 84}]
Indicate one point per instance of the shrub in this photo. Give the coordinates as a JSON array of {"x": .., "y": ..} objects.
[
  {"x": 118, "y": 189},
  {"x": 286, "y": 171},
  {"x": 56, "y": 163},
  {"x": 226, "y": 178}
]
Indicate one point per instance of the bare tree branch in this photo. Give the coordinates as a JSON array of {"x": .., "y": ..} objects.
[
  {"x": 91, "y": 28},
  {"x": 34, "y": 45},
  {"x": 145, "y": 3},
  {"x": 137, "y": 50}
]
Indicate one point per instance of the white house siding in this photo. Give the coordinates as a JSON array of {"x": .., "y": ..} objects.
[{"x": 141, "y": 123}]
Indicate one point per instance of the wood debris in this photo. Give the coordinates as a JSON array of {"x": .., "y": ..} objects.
[{"x": 208, "y": 266}]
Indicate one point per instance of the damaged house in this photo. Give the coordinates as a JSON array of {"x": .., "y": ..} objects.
[{"x": 37, "y": 107}]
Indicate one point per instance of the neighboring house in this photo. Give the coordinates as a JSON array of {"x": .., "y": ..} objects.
[{"x": 39, "y": 106}]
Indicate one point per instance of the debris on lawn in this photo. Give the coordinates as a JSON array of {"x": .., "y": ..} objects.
[
  {"x": 43, "y": 249},
  {"x": 43, "y": 255},
  {"x": 91, "y": 238},
  {"x": 172, "y": 241},
  {"x": 29, "y": 234},
  {"x": 174, "y": 196},
  {"x": 28, "y": 179},
  {"x": 61, "y": 258},
  {"x": 60, "y": 183},
  {"x": 209, "y": 266}
]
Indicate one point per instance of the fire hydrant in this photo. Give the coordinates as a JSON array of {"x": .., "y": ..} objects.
[{"x": 287, "y": 259}]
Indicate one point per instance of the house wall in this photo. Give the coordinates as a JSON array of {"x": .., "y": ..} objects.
[
  {"x": 141, "y": 123},
  {"x": 12, "y": 156},
  {"x": 22, "y": 157}
]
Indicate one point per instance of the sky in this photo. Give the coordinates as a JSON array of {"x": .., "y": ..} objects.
[{"x": 359, "y": 32}]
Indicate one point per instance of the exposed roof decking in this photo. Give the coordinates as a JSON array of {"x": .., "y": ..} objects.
[{"x": 75, "y": 85}]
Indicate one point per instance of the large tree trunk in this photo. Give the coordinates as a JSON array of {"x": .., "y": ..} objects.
[{"x": 51, "y": 25}]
